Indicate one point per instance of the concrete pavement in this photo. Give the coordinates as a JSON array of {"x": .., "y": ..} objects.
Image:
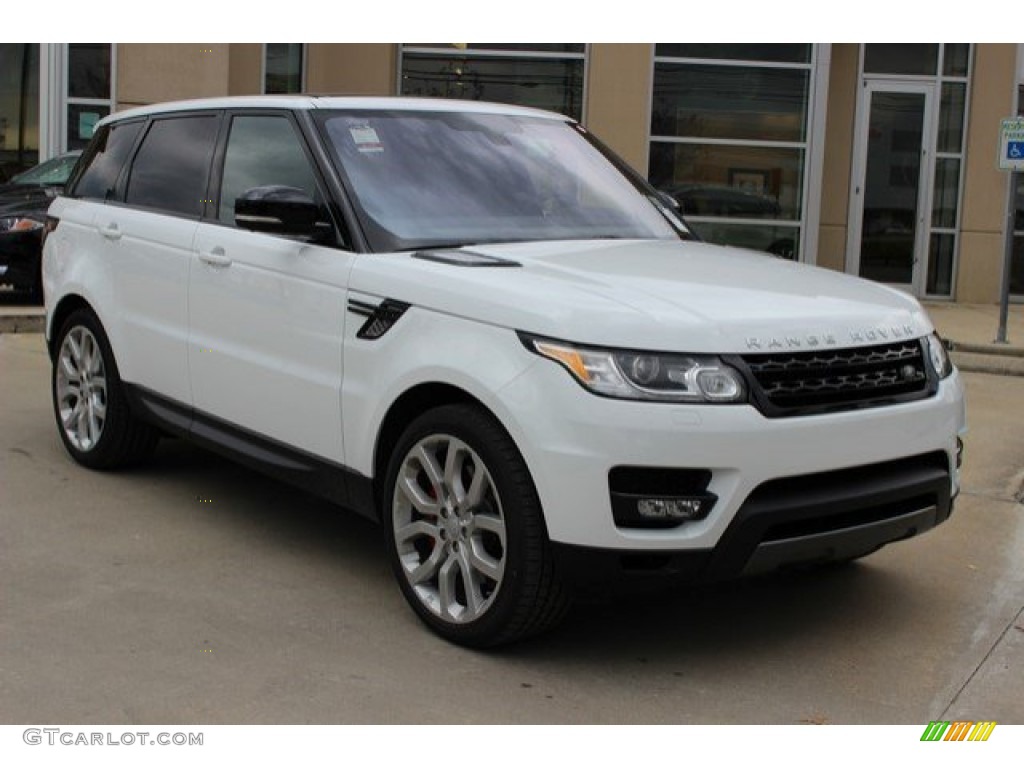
[{"x": 194, "y": 591}]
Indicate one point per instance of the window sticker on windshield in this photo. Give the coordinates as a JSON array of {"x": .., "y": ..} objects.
[{"x": 366, "y": 138}]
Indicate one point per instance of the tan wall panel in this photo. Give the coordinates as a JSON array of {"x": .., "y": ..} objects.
[
  {"x": 838, "y": 161},
  {"x": 245, "y": 69},
  {"x": 981, "y": 263},
  {"x": 151, "y": 72},
  {"x": 984, "y": 203},
  {"x": 832, "y": 247},
  {"x": 619, "y": 81},
  {"x": 360, "y": 69}
]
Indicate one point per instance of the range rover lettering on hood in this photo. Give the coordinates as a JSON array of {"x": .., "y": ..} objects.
[{"x": 816, "y": 340}]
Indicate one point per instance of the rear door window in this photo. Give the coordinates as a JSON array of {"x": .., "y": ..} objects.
[
  {"x": 104, "y": 160},
  {"x": 172, "y": 166}
]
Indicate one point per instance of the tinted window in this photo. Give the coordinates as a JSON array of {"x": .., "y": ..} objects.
[
  {"x": 171, "y": 167},
  {"x": 104, "y": 160},
  {"x": 262, "y": 150}
]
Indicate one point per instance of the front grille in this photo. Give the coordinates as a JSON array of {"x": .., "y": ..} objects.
[{"x": 795, "y": 383}]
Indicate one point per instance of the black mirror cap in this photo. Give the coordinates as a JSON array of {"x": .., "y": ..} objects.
[{"x": 277, "y": 210}]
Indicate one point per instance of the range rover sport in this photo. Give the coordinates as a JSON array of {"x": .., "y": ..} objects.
[{"x": 475, "y": 324}]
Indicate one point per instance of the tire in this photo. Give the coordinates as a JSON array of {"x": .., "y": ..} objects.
[
  {"x": 465, "y": 531},
  {"x": 89, "y": 404}
]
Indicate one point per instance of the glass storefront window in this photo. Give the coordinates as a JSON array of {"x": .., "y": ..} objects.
[
  {"x": 730, "y": 102},
  {"x": 19, "y": 108},
  {"x": 901, "y": 58},
  {"x": 89, "y": 71},
  {"x": 82, "y": 119},
  {"x": 798, "y": 53},
  {"x": 542, "y": 76},
  {"x": 955, "y": 59},
  {"x": 518, "y": 47},
  {"x": 730, "y": 181},
  {"x": 783, "y": 242},
  {"x": 282, "y": 68},
  {"x": 940, "y": 263},
  {"x": 729, "y": 133},
  {"x": 947, "y": 186},
  {"x": 951, "y": 117}
]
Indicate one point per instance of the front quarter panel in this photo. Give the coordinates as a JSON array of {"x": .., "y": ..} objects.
[{"x": 423, "y": 347}]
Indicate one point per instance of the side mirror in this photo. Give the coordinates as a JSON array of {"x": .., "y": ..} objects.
[{"x": 277, "y": 210}]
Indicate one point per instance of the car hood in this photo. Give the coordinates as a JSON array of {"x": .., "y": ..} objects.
[
  {"x": 663, "y": 295},
  {"x": 16, "y": 199}
]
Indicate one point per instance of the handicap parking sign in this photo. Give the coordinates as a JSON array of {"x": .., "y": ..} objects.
[{"x": 1011, "y": 144}]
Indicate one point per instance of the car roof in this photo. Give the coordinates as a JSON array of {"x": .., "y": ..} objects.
[{"x": 311, "y": 102}]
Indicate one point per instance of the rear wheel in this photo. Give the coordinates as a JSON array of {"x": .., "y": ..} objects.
[
  {"x": 93, "y": 418},
  {"x": 465, "y": 531}
]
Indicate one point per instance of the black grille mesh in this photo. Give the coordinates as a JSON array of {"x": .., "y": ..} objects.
[{"x": 788, "y": 383}]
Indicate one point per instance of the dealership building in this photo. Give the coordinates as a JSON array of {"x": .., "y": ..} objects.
[{"x": 879, "y": 160}]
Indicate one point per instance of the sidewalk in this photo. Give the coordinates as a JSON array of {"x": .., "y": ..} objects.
[{"x": 969, "y": 329}]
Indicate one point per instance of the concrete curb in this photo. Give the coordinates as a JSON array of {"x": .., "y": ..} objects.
[{"x": 22, "y": 323}]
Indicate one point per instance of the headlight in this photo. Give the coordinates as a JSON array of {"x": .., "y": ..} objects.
[
  {"x": 19, "y": 224},
  {"x": 645, "y": 375},
  {"x": 939, "y": 357}
]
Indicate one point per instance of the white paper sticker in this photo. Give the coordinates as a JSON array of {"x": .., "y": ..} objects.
[{"x": 366, "y": 138}]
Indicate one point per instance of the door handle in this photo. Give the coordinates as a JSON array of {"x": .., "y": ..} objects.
[
  {"x": 110, "y": 231},
  {"x": 215, "y": 257}
]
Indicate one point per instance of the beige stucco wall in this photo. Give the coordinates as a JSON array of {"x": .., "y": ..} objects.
[
  {"x": 979, "y": 272},
  {"x": 618, "y": 106},
  {"x": 359, "y": 69},
  {"x": 152, "y": 72},
  {"x": 838, "y": 161},
  {"x": 245, "y": 68}
]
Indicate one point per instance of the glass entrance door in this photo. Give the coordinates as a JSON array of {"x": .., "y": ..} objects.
[{"x": 889, "y": 223}]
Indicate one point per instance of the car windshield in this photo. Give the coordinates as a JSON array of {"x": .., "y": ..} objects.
[
  {"x": 55, "y": 171},
  {"x": 445, "y": 179}
]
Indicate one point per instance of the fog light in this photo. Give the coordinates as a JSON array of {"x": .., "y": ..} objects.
[
  {"x": 959, "y": 453},
  {"x": 678, "y": 509}
]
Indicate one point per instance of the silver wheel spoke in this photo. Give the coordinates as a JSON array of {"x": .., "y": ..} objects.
[
  {"x": 485, "y": 564},
  {"x": 81, "y": 386},
  {"x": 423, "y": 503},
  {"x": 429, "y": 465},
  {"x": 447, "y": 579},
  {"x": 471, "y": 585},
  {"x": 477, "y": 487},
  {"x": 454, "y": 559},
  {"x": 490, "y": 524},
  {"x": 428, "y": 568}
]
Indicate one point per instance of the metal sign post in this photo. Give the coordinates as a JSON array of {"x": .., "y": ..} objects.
[{"x": 1011, "y": 158}]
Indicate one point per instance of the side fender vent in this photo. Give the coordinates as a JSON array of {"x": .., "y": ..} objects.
[{"x": 379, "y": 319}]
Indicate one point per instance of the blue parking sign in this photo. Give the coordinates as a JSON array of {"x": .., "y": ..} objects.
[{"x": 1015, "y": 150}]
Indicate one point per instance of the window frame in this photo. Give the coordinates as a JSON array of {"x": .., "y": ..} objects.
[
  {"x": 68, "y": 101},
  {"x": 304, "y": 49},
  {"x": 812, "y": 147},
  {"x": 493, "y": 53}
]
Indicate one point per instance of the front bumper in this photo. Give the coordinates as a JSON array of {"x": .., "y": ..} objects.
[{"x": 844, "y": 483}]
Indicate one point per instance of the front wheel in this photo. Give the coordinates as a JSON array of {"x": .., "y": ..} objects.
[{"x": 465, "y": 531}]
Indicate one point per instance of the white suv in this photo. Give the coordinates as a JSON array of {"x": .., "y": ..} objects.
[{"x": 476, "y": 325}]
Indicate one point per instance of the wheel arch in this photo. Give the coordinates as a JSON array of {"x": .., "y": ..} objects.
[
  {"x": 65, "y": 307},
  {"x": 414, "y": 401}
]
